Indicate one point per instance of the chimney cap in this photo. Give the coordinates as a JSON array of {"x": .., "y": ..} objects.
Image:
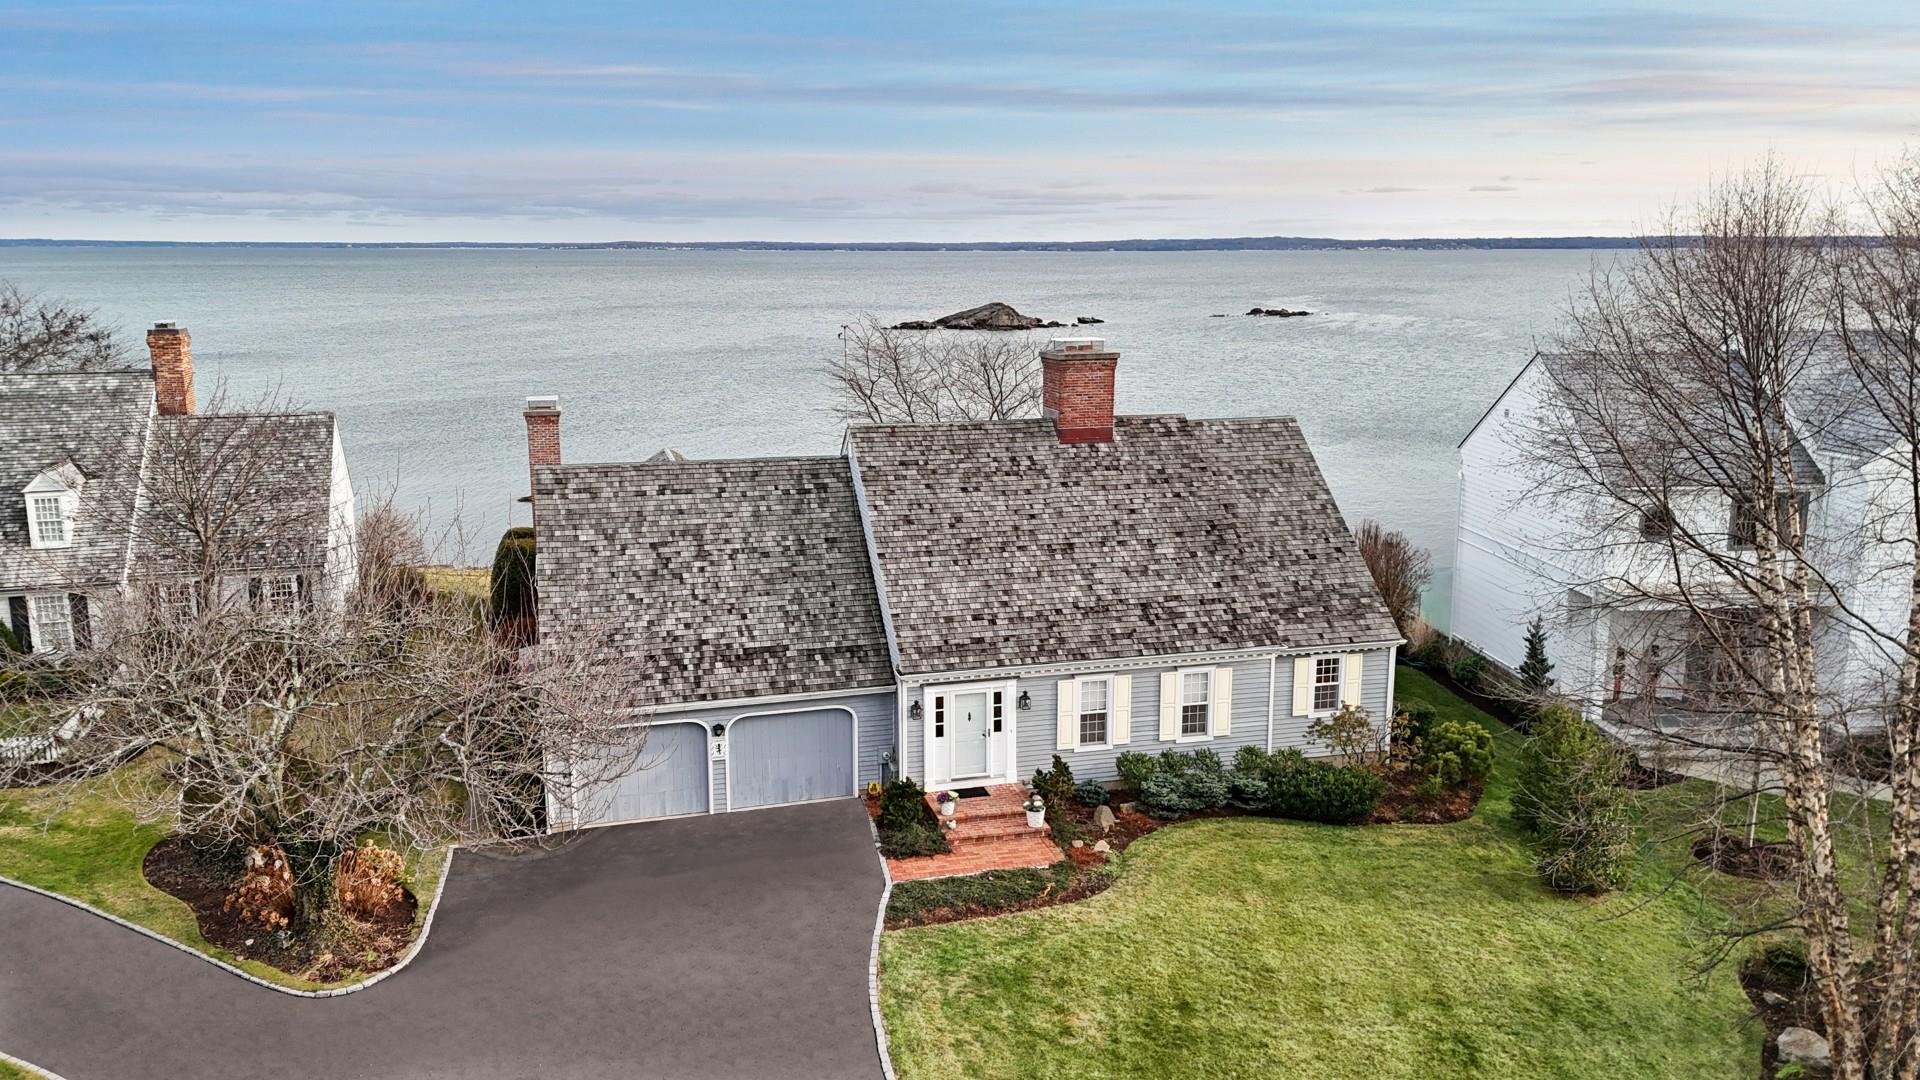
[
  {"x": 543, "y": 403},
  {"x": 1077, "y": 345},
  {"x": 166, "y": 326}
]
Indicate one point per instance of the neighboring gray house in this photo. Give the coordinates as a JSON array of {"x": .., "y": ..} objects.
[
  {"x": 79, "y": 451},
  {"x": 960, "y": 602}
]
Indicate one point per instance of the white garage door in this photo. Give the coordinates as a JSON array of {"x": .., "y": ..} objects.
[
  {"x": 790, "y": 757},
  {"x": 671, "y": 779}
]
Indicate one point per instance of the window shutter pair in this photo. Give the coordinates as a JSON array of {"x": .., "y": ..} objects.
[
  {"x": 1066, "y": 733},
  {"x": 1219, "y": 703},
  {"x": 1352, "y": 667}
]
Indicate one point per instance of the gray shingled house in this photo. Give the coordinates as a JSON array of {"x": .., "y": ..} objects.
[
  {"x": 77, "y": 448},
  {"x": 960, "y": 602}
]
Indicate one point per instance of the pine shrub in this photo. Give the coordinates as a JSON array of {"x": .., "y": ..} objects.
[{"x": 512, "y": 599}]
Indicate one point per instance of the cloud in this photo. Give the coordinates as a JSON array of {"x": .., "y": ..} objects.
[
  {"x": 1493, "y": 187},
  {"x": 1389, "y": 190}
]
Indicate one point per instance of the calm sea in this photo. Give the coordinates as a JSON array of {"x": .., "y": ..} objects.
[{"x": 427, "y": 355}]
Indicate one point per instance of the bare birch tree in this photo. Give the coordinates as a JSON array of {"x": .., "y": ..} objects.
[
  {"x": 1400, "y": 571},
  {"x": 1675, "y": 443},
  {"x": 288, "y": 721},
  {"x": 888, "y": 376}
]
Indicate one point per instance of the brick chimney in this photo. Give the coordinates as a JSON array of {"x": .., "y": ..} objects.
[
  {"x": 172, "y": 351},
  {"x": 543, "y": 434},
  {"x": 1076, "y": 388}
]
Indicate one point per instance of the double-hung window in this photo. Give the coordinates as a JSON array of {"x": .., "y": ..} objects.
[
  {"x": 52, "y": 622},
  {"x": 1326, "y": 684},
  {"x": 49, "y": 515},
  {"x": 1196, "y": 704},
  {"x": 280, "y": 594},
  {"x": 1096, "y": 696}
]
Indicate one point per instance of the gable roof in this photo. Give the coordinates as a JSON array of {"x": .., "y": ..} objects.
[
  {"x": 96, "y": 419},
  {"x": 102, "y": 422},
  {"x": 999, "y": 547},
  {"x": 724, "y": 579}
]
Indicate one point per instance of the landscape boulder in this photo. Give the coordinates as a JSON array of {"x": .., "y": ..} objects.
[
  {"x": 1803, "y": 1047},
  {"x": 1278, "y": 312},
  {"x": 1103, "y": 847},
  {"x": 994, "y": 316}
]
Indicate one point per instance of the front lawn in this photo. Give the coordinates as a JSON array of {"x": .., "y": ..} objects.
[
  {"x": 1250, "y": 947},
  {"x": 77, "y": 843}
]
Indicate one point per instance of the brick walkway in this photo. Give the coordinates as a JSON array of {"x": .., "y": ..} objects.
[{"x": 987, "y": 833}]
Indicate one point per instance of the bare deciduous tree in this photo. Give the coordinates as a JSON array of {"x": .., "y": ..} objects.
[
  {"x": 1400, "y": 571},
  {"x": 290, "y": 720},
  {"x": 1674, "y": 446},
  {"x": 39, "y": 334},
  {"x": 887, "y": 376}
]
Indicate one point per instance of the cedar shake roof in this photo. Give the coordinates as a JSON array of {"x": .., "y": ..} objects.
[
  {"x": 96, "y": 419},
  {"x": 724, "y": 579},
  {"x": 273, "y": 472},
  {"x": 999, "y": 547}
]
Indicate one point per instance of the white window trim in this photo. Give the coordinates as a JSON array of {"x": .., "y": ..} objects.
[
  {"x": 37, "y": 629},
  {"x": 65, "y": 502},
  {"x": 1080, "y": 695},
  {"x": 1180, "y": 705},
  {"x": 1339, "y": 681}
]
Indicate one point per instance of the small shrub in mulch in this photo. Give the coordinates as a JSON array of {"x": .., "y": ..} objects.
[
  {"x": 1407, "y": 800},
  {"x": 204, "y": 876},
  {"x": 1763, "y": 860},
  {"x": 996, "y": 892}
]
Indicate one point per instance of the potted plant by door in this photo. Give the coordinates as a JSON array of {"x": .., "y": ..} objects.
[
  {"x": 948, "y": 800},
  {"x": 1036, "y": 809}
]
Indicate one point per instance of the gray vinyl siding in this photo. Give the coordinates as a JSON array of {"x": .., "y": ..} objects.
[
  {"x": 1035, "y": 726},
  {"x": 1291, "y": 731},
  {"x": 1036, "y": 731}
]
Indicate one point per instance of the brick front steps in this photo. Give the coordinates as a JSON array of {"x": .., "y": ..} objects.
[{"x": 987, "y": 833}]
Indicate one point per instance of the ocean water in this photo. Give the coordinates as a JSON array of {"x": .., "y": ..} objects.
[{"x": 427, "y": 356}]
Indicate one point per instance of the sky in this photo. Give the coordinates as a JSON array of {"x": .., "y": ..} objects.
[{"x": 877, "y": 121}]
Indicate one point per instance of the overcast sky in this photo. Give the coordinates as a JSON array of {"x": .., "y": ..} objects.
[{"x": 852, "y": 120}]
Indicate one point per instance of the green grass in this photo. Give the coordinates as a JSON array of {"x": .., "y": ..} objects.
[
  {"x": 1248, "y": 947},
  {"x": 81, "y": 843}
]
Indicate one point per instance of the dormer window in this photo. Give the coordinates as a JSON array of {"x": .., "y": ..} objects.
[{"x": 49, "y": 516}]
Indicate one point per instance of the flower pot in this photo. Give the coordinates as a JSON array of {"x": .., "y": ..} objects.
[
  {"x": 1036, "y": 819},
  {"x": 946, "y": 808}
]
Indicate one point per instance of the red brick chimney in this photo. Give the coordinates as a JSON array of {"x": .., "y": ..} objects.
[
  {"x": 543, "y": 434},
  {"x": 1076, "y": 388},
  {"x": 172, "y": 351}
]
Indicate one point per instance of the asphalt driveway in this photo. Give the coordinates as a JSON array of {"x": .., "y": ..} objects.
[{"x": 734, "y": 945}]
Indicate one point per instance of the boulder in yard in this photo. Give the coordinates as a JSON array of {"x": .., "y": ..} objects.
[{"x": 1802, "y": 1046}]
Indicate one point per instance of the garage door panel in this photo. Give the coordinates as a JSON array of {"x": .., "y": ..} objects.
[
  {"x": 671, "y": 779},
  {"x": 790, "y": 757}
]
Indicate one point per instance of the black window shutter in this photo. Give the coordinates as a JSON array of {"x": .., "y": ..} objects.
[
  {"x": 253, "y": 592},
  {"x": 22, "y": 628},
  {"x": 82, "y": 621},
  {"x": 305, "y": 589}
]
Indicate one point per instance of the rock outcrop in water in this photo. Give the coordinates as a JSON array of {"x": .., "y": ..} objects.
[
  {"x": 994, "y": 316},
  {"x": 1278, "y": 312}
]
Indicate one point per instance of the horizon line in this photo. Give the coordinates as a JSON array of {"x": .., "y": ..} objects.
[{"x": 1217, "y": 243}]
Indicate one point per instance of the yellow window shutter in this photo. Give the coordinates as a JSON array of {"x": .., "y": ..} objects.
[
  {"x": 1350, "y": 678},
  {"x": 1120, "y": 722},
  {"x": 1066, "y": 734},
  {"x": 1222, "y": 699},
  {"x": 1302, "y": 685},
  {"x": 1169, "y": 706}
]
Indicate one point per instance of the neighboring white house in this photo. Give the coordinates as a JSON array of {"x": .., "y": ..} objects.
[
  {"x": 77, "y": 452},
  {"x": 1520, "y": 553}
]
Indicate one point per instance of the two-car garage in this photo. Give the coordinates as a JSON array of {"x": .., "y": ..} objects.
[{"x": 714, "y": 761}]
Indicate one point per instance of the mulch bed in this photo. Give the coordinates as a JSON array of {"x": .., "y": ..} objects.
[
  {"x": 1638, "y": 777},
  {"x": 1764, "y": 860},
  {"x": 1066, "y": 888},
  {"x": 1792, "y": 1007},
  {"x": 202, "y": 877},
  {"x": 1401, "y": 804}
]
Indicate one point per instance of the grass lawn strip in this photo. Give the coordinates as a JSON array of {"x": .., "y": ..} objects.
[
  {"x": 91, "y": 850},
  {"x": 1252, "y": 947}
]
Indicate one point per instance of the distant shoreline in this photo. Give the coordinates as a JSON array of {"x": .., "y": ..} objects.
[{"x": 1235, "y": 243}]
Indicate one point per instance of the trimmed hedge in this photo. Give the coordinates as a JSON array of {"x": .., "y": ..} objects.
[
  {"x": 512, "y": 598},
  {"x": 994, "y": 890}
]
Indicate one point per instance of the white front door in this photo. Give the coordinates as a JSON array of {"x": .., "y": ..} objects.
[{"x": 972, "y": 740}]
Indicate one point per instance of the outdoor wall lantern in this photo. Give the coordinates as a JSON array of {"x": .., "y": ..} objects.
[
  {"x": 915, "y": 711},
  {"x": 1025, "y": 702},
  {"x": 719, "y": 731}
]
